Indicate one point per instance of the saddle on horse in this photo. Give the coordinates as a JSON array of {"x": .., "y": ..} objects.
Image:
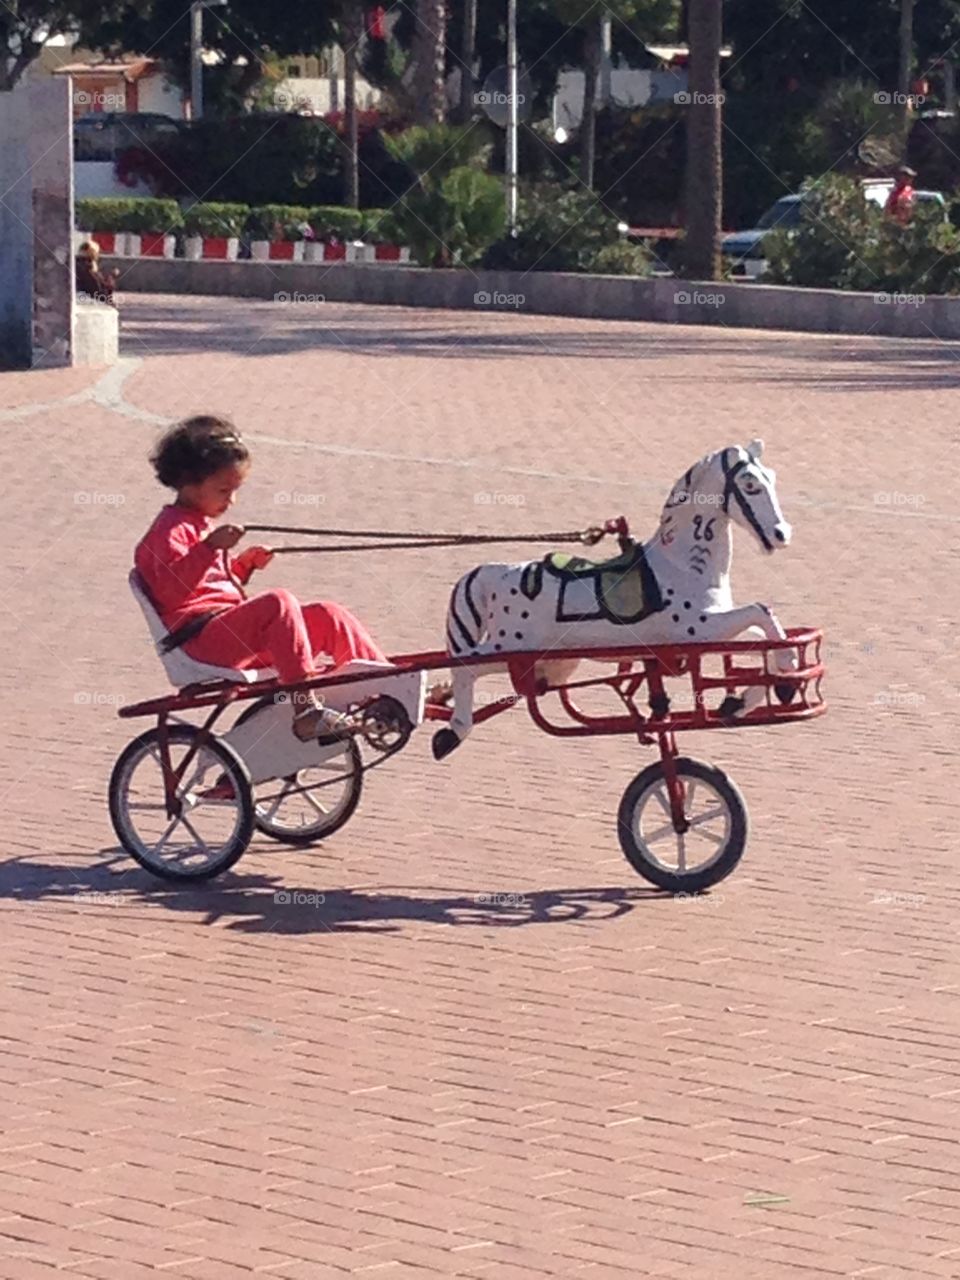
[{"x": 622, "y": 590}]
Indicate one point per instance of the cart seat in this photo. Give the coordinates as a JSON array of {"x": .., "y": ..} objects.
[{"x": 181, "y": 669}]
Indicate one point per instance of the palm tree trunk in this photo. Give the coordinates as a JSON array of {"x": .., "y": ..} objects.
[
  {"x": 352, "y": 34},
  {"x": 468, "y": 55},
  {"x": 704, "y": 176},
  {"x": 429, "y": 56},
  {"x": 906, "y": 58},
  {"x": 591, "y": 74}
]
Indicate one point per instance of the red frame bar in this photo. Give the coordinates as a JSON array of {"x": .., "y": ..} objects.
[{"x": 658, "y": 662}]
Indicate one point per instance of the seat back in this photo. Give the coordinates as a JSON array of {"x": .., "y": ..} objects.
[
  {"x": 142, "y": 596},
  {"x": 181, "y": 669}
]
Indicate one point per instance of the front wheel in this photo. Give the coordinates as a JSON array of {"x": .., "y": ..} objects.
[
  {"x": 715, "y": 827},
  {"x": 211, "y": 822}
]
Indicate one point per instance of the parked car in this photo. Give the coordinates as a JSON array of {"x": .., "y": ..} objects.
[
  {"x": 743, "y": 252},
  {"x": 101, "y": 135}
]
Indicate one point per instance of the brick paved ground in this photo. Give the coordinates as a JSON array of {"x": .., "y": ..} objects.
[{"x": 406, "y": 1082}]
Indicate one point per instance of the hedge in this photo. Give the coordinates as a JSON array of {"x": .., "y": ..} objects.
[
  {"x": 127, "y": 213},
  {"x": 277, "y": 222},
  {"x": 335, "y": 221},
  {"x": 213, "y": 218}
]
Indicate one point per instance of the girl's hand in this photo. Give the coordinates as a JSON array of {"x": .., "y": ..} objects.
[
  {"x": 225, "y": 537},
  {"x": 255, "y": 558}
]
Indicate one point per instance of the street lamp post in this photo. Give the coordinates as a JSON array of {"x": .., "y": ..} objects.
[
  {"x": 196, "y": 53},
  {"x": 513, "y": 117}
]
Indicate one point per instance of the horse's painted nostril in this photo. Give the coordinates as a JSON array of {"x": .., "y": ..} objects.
[{"x": 779, "y": 535}]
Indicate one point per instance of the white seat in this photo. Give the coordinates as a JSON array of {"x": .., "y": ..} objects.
[{"x": 181, "y": 669}]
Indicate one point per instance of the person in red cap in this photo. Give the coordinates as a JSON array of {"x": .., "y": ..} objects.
[{"x": 901, "y": 199}]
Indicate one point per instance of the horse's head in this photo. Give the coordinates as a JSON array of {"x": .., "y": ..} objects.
[
  {"x": 735, "y": 483},
  {"x": 750, "y": 495}
]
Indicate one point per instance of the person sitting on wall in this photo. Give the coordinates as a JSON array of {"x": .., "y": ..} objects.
[{"x": 91, "y": 280}]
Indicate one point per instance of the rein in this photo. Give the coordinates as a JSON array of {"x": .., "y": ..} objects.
[{"x": 384, "y": 540}]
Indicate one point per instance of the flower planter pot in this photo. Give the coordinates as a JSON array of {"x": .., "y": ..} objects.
[
  {"x": 156, "y": 244},
  {"x": 387, "y": 252},
  {"x": 128, "y": 244},
  {"x": 359, "y": 252},
  {"x": 219, "y": 248},
  {"x": 314, "y": 251},
  {"x": 335, "y": 252},
  {"x": 286, "y": 251},
  {"x": 107, "y": 240},
  {"x": 260, "y": 250}
]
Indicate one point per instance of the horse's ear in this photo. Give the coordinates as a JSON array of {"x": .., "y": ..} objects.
[{"x": 755, "y": 450}]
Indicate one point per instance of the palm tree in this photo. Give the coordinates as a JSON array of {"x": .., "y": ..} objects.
[
  {"x": 429, "y": 62},
  {"x": 906, "y": 57},
  {"x": 468, "y": 55},
  {"x": 704, "y": 176},
  {"x": 352, "y": 34}
]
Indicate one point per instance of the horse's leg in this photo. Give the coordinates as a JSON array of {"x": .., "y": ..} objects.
[
  {"x": 756, "y": 620},
  {"x": 463, "y": 680}
]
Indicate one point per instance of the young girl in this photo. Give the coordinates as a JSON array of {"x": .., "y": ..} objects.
[{"x": 197, "y": 586}]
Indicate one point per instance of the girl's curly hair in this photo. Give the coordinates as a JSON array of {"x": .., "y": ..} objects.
[{"x": 197, "y": 448}]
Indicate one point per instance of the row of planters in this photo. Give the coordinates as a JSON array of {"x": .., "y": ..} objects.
[{"x": 150, "y": 227}]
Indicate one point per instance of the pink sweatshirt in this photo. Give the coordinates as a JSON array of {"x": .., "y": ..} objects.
[{"x": 184, "y": 575}]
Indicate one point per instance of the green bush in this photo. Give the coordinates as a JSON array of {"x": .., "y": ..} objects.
[
  {"x": 127, "y": 213},
  {"x": 845, "y": 242},
  {"x": 379, "y": 227},
  {"x": 452, "y": 211},
  {"x": 336, "y": 222},
  {"x": 278, "y": 222},
  {"x": 621, "y": 259},
  {"x": 209, "y": 218},
  {"x": 560, "y": 229}
]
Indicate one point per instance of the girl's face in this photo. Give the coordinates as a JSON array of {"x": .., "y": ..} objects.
[{"x": 215, "y": 496}]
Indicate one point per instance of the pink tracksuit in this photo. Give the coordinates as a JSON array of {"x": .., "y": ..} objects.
[{"x": 185, "y": 577}]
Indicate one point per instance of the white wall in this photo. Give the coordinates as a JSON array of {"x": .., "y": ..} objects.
[
  {"x": 321, "y": 95},
  {"x": 628, "y": 87},
  {"x": 16, "y": 230},
  {"x": 96, "y": 178},
  {"x": 156, "y": 93}
]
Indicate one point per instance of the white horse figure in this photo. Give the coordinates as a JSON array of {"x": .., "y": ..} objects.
[{"x": 673, "y": 589}]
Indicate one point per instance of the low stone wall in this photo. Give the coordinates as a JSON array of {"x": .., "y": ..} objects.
[{"x": 667, "y": 301}]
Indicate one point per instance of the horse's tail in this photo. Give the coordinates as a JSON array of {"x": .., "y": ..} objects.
[{"x": 468, "y": 602}]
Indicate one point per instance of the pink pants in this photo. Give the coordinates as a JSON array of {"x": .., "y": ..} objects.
[{"x": 273, "y": 629}]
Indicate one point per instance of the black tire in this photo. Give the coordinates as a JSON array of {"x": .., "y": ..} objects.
[
  {"x": 638, "y": 853},
  {"x": 325, "y": 826},
  {"x": 230, "y": 772}
]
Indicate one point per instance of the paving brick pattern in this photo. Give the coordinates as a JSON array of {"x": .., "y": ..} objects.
[{"x": 586, "y": 1079}]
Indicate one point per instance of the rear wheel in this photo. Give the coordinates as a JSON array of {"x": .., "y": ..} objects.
[
  {"x": 212, "y": 820},
  {"x": 312, "y": 803},
  {"x": 715, "y": 827}
]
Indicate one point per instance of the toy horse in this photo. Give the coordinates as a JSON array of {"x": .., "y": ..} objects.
[{"x": 673, "y": 589}]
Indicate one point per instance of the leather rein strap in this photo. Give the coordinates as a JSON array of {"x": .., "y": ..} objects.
[{"x": 383, "y": 540}]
